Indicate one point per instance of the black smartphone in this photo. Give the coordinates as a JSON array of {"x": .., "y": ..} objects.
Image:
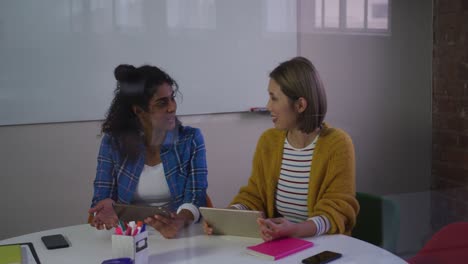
[
  {"x": 322, "y": 257},
  {"x": 55, "y": 241}
]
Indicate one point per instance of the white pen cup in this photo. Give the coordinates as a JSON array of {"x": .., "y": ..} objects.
[
  {"x": 104, "y": 234},
  {"x": 134, "y": 247}
]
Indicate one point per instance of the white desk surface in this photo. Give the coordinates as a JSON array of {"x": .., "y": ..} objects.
[{"x": 192, "y": 246}]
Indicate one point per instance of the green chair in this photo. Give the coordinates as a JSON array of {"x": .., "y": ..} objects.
[{"x": 378, "y": 221}]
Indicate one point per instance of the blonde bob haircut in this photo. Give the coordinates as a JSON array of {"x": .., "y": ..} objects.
[{"x": 298, "y": 78}]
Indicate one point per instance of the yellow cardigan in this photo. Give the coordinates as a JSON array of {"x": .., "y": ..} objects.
[{"x": 332, "y": 185}]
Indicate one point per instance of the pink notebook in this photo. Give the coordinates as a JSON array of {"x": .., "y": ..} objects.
[{"x": 279, "y": 248}]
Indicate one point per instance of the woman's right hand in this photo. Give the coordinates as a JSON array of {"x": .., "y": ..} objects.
[
  {"x": 104, "y": 215},
  {"x": 207, "y": 228}
]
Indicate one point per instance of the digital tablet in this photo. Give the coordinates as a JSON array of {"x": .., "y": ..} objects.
[
  {"x": 128, "y": 213},
  {"x": 232, "y": 222}
]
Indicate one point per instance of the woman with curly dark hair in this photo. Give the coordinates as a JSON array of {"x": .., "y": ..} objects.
[{"x": 146, "y": 155}]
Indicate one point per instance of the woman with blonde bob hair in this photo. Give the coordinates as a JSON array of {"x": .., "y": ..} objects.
[{"x": 303, "y": 171}]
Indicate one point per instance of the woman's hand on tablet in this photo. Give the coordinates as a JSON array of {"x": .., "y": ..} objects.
[
  {"x": 207, "y": 228},
  {"x": 273, "y": 228},
  {"x": 104, "y": 215},
  {"x": 167, "y": 226},
  {"x": 170, "y": 226}
]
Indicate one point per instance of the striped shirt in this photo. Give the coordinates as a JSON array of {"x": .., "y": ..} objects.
[{"x": 293, "y": 186}]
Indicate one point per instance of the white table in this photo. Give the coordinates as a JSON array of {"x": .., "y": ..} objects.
[{"x": 192, "y": 246}]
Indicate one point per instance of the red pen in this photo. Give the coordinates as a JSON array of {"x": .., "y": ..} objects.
[
  {"x": 118, "y": 231},
  {"x": 258, "y": 109},
  {"x": 135, "y": 231},
  {"x": 129, "y": 231}
]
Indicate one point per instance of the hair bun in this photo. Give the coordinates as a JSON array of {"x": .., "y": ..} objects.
[{"x": 126, "y": 73}]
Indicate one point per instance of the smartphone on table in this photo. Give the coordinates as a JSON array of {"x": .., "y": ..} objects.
[
  {"x": 55, "y": 241},
  {"x": 322, "y": 257}
]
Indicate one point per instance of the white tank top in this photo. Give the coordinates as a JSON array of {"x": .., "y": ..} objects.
[{"x": 152, "y": 188}]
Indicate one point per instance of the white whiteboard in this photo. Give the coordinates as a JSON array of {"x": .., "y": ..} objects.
[{"x": 58, "y": 56}]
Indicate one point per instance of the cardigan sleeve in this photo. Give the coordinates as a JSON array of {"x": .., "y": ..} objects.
[
  {"x": 338, "y": 202},
  {"x": 250, "y": 195}
]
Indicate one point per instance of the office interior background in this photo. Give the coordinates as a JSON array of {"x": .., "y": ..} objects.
[{"x": 395, "y": 71}]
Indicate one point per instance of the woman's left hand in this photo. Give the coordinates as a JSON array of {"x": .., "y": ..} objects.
[
  {"x": 273, "y": 228},
  {"x": 167, "y": 226}
]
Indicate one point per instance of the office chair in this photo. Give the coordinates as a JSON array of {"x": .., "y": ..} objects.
[
  {"x": 378, "y": 221},
  {"x": 448, "y": 246}
]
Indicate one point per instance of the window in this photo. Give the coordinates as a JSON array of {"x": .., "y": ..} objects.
[
  {"x": 193, "y": 14},
  {"x": 281, "y": 15},
  {"x": 355, "y": 13},
  {"x": 106, "y": 16},
  {"x": 331, "y": 13},
  {"x": 350, "y": 16},
  {"x": 377, "y": 16},
  {"x": 128, "y": 14}
]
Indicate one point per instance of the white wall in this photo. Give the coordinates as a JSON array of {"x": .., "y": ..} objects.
[
  {"x": 379, "y": 90},
  {"x": 48, "y": 169}
]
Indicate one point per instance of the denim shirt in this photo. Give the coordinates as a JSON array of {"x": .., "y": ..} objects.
[{"x": 183, "y": 155}]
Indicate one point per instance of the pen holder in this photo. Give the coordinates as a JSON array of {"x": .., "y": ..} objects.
[{"x": 134, "y": 247}]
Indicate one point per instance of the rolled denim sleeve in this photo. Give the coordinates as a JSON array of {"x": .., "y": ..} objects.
[
  {"x": 195, "y": 188},
  {"x": 104, "y": 183},
  {"x": 193, "y": 209}
]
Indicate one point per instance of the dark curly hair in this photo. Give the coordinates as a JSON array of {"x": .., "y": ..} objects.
[{"x": 135, "y": 86}]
